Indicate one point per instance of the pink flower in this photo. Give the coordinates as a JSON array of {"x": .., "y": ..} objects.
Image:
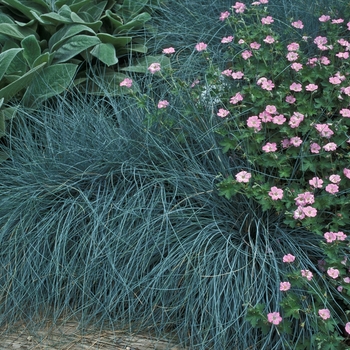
[
  {"x": 345, "y": 90},
  {"x": 223, "y": 113},
  {"x": 347, "y": 326},
  {"x": 290, "y": 99},
  {"x": 227, "y": 39},
  {"x": 308, "y": 274},
  {"x": 294, "y": 122},
  {"x": 196, "y": 82},
  {"x": 310, "y": 211},
  {"x": 341, "y": 236},
  {"x": 324, "y": 18},
  {"x": 347, "y": 280},
  {"x": 296, "y": 66},
  {"x": 227, "y": 72},
  {"x": 334, "y": 273},
  {"x": 316, "y": 182},
  {"x": 241, "y": 41},
  {"x": 296, "y": 141},
  {"x": 324, "y": 313},
  {"x": 243, "y": 176},
  {"x": 265, "y": 117},
  {"x": 312, "y": 61},
  {"x": 285, "y": 143},
  {"x": 237, "y": 75},
  {"x": 255, "y": 46},
  {"x": 315, "y": 148},
  {"x": 344, "y": 55},
  {"x": 293, "y": 47},
  {"x": 299, "y": 214},
  {"x": 311, "y": 87},
  {"x": 236, "y": 98},
  {"x": 267, "y": 85},
  {"x": 246, "y": 54},
  {"x": 239, "y": 7},
  {"x": 169, "y": 50},
  {"x": 284, "y": 286},
  {"x": 224, "y": 15},
  {"x": 320, "y": 40},
  {"x": 295, "y": 87},
  {"x": 334, "y": 80},
  {"x": 289, "y": 258},
  {"x": 331, "y": 146},
  {"x": 274, "y": 318},
  {"x": 332, "y": 188},
  {"x": 337, "y": 21},
  {"x": 126, "y": 82},
  {"x": 325, "y": 60},
  {"x": 346, "y": 172},
  {"x": 270, "y": 147},
  {"x": 154, "y": 67},
  {"x": 324, "y": 130},
  {"x": 271, "y": 109},
  {"x": 335, "y": 178},
  {"x": 345, "y": 112},
  {"x": 278, "y": 119},
  {"x": 276, "y": 193},
  {"x": 292, "y": 56},
  {"x": 201, "y": 46},
  {"x": 254, "y": 122},
  {"x": 261, "y": 80},
  {"x": 298, "y": 24},
  {"x": 269, "y": 39},
  {"x": 304, "y": 198},
  {"x": 267, "y": 20},
  {"x": 163, "y": 104},
  {"x": 330, "y": 237}
]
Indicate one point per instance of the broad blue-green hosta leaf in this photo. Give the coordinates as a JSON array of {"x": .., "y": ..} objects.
[
  {"x": 105, "y": 53},
  {"x": 74, "y": 46},
  {"x": 52, "y": 81},
  {"x": 6, "y": 59},
  {"x": 19, "y": 84},
  {"x": 31, "y": 49}
]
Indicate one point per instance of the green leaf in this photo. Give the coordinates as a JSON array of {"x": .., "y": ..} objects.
[
  {"x": 74, "y": 46},
  {"x": 31, "y": 48},
  {"x": 52, "y": 81},
  {"x": 105, "y": 53},
  {"x": 15, "y": 31},
  {"x": 12, "y": 89},
  {"x": 6, "y": 58},
  {"x": 137, "y": 23},
  {"x": 115, "y": 40},
  {"x": 44, "y": 58},
  {"x": 96, "y": 10},
  {"x": 9, "y": 112},
  {"x": 26, "y": 7},
  {"x": 66, "y": 32}
]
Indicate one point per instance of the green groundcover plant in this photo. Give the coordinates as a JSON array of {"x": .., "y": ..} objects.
[{"x": 285, "y": 110}]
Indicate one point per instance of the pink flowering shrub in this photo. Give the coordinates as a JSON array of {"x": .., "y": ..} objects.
[{"x": 292, "y": 111}]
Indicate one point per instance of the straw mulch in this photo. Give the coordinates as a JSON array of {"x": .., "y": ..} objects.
[{"x": 68, "y": 336}]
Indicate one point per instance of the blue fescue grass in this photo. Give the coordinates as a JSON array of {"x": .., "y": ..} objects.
[{"x": 118, "y": 223}]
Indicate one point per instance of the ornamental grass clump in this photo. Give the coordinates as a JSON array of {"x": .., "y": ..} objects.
[{"x": 116, "y": 220}]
